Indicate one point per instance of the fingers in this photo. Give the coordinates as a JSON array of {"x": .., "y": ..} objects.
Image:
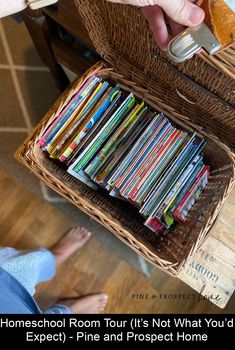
[
  {"x": 140, "y": 3},
  {"x": 176, "y": 28},
  {"x": 9, "y": 7},
  {"x": 182, "y": 11},
  {"x": 155, "y": 17}
]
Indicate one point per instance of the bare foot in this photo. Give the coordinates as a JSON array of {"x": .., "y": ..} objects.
[
  {"x": 90, "y": 304},
  {"x": 69, "y": 243}
]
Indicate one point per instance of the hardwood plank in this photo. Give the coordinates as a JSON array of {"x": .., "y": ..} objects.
[{"x": 28, "y": 222}]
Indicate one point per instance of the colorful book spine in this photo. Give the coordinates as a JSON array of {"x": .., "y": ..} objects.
[
  {"x": 65, "y": 114},
  {"x": 151, "y": 173},
  {"x": 115, "y": 140},
  {"x": 119, "y": 174},
  {"x": 158, "y": 170},
  {"x": 135, "y": 132},
  {"x": 155, "y": 225},
  {"x": 167, "y": 181},
  {"x": 53, "y": 150},
  {"x": 172, "y": 195},
  {"x": 126, "y": 181},
  {"x": 168, "y": 214},
  {"x": 88, "y": 126},
  {"x": 94, "y": 131},
  {"x": 110, "y": 139},
  {"x": 105, "y": 132},
  {"x": 181, "y": 212}
]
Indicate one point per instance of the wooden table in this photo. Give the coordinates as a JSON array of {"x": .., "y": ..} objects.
[{"x": 211, "y": 271}]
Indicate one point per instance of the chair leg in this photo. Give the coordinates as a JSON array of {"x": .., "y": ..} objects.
[{"x": 40, "y": 31}]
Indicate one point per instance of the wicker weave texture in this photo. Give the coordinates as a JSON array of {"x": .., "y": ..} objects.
[
  {"x": 169, "y": 252},
  {"x": 207, "y": 93}
]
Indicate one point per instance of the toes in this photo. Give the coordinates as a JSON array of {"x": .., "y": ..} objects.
[
  {"x": 103, "y": 300},
  {"x": 81, "y": 232},
  {"x": 103, "y": 297},
  {"x": 103, "y": 305},
  {"x": 85, "y": 237},
  {"x": 86, "y": 234},
  {"x": 77, "y": 231}
]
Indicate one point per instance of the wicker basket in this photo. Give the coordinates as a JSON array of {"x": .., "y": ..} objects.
[
  {"x": 121, "y": 35},
  {"x": 211, "y": 119},
  {"x": 171, "y": 251}
]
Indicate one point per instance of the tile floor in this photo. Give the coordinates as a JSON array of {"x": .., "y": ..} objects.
[{"x": 27, "y": 91}]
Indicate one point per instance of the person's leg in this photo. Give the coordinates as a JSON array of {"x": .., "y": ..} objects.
[
  {"x": 90, "y": 304},
  {"x": 31, "y": 267},
  {"x": 58, "y": 309},
  {"x": 73, "y": 240}
]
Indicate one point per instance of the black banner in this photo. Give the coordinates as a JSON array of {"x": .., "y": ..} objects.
[{"x": 106, "y": 329}]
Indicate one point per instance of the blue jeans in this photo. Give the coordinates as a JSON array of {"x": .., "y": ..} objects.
[{"x": 31, "y": 267}]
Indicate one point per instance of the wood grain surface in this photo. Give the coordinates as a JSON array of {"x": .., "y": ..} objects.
[
  {"x": 28, "y": 222},
  {"x": 211, "y": 270}
]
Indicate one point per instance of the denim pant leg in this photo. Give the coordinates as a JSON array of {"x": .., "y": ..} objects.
[
  {"x": 58, "y": 309},
  {"x": 29, "y": 267}
]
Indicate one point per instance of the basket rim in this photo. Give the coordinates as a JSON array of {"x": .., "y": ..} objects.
[
  {"x": 27, "y": 154},
  {"x": 99, "y": 32}
]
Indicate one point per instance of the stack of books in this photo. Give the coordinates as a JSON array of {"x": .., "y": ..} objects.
[{"x": 108, "y": 138}]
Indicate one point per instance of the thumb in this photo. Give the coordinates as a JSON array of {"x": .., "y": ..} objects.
[
  {"x": 9, "y": 7},
  {"x": 182, "y": 11}
]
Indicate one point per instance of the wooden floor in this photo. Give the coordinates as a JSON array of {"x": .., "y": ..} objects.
[{"x": 28, "y": 222}]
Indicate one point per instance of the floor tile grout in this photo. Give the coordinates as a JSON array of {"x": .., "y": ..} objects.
[
  {"x": 13, "y": 68},
  {"x": 24, "y": 68},
  {"x": 13, "y": 129},
  {"x": 52, "y": 197},
  {"x": 15, "y": 78}
]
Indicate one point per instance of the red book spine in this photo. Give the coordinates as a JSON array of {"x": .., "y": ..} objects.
[{"x": 177, "y": 212}]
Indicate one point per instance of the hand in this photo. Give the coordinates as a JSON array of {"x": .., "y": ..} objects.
[
  {"x": 13, "y": 6},
  {"x": 176, "y": 13}
]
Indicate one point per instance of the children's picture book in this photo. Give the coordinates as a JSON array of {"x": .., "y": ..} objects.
[{"x": 113, "y": 141}]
